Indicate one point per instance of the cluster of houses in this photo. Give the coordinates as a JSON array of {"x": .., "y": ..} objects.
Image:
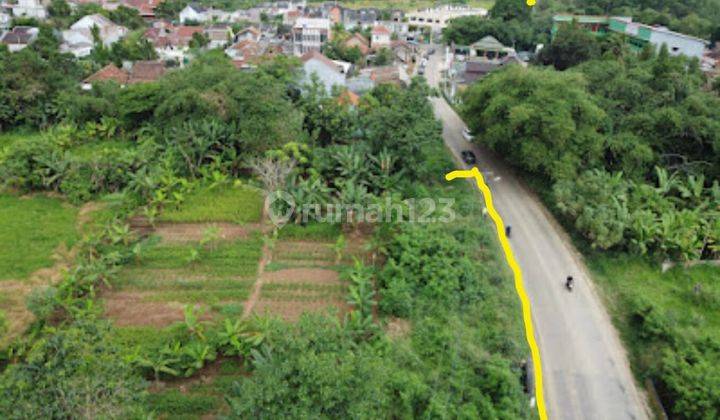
[
  {"x": 296, "y": 28},
  {"x": 248, "y": 36},
  {"x": 466, "y": 64}
]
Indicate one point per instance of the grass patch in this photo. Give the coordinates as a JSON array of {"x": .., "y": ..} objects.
[
  {"x": 90, "y": 150},
  {"x": 239, "y": 258},
  {"x": 175, "y": 403},
  {"x": 689, "y": 298},
  {"x": 225, "y": 274},
  {"x": 30, "y": 229},
  {"x": 232, "y": 204},
  {"x": 204, "y": 296},
  {"x": 8, "y": 140},
  {"x": 311, "y": 232}
]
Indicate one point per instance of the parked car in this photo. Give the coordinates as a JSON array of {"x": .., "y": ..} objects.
[
  {"x": 468, "y": 157},
  {"x": 431, "y": 51},
  {"x": 467, "y": 134}
]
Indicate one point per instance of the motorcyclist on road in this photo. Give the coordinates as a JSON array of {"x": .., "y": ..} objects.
[
  {"x": 569, "y": 282},
  {"x": 508, "y": 229}
]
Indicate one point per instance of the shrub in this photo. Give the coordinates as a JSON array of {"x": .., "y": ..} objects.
[
  {"x": 42, "y": 301},
  {"x": 72, "y": 372}
]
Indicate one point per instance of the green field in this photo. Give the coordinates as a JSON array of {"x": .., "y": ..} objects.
[
  {"x": 237, "y": 204},
  {"x": 688, "y": 297},
  {"x": 223, "y": 273},
  {"x": 31, "y": 229}
]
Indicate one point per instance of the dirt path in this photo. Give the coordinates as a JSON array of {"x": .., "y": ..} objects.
[
  {"x": 265, "y": 227},
  {"x": 257, "y": 288}
]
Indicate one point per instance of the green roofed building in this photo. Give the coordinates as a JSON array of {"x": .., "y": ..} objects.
[{"x": 638, "y": 35}]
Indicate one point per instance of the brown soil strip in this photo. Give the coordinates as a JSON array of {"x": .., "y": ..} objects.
[
  {"x": 131, "y": 309},
  {"x": 292, "y": 310},
  {"x": 194, "y": 232}
]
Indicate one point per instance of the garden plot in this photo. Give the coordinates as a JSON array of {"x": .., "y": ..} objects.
[
  {"x": 216, "y": 276},
  {"x": 304, "y": 276}
]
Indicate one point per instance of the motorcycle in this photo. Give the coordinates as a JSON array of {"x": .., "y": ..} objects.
[{"x": 569, "y": 283}]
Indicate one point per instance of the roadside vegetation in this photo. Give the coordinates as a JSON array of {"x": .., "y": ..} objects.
[{"x": 625, "y": 148}]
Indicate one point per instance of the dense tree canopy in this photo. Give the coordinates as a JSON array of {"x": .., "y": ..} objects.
[{"x": 602, "y": 131}]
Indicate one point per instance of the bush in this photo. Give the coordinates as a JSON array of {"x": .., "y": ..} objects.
[
  {"x": 42, "y": 301},
  {"x": 690, "y": 381},
  {"x": 72, "y": 372},
  {"x": 427, "y": 265}
]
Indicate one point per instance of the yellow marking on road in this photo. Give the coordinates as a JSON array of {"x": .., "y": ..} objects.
[{"x": 519, "y": 285}]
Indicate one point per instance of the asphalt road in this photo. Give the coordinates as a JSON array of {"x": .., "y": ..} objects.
[{"x": 585, "y": 369}]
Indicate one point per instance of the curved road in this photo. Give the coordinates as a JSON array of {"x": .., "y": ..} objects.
[{"x": 585, "y": 370}]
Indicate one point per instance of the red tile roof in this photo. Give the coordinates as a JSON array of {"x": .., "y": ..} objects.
[
  {"x": 146, "y": 71},
  {"x": 109, "y": 72},
  {"x": 313, "y": 54},
  {"x": 187, "y": 31},
  {"x": 359, "y": 41},
  {"x": 381, "y": 30},
  {"x": 348, "y": 98}
]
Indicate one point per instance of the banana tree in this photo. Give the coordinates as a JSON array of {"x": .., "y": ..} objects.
[
  {"x": 195, "y": 356},
  {"x": 158, "y": 362}
]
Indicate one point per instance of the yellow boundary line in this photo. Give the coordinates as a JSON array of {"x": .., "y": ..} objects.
[{"x": 519, "y": 286}]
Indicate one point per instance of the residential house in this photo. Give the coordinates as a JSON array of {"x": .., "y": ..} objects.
[
  {"x": 309, "y": 34},
  {"x": 404, "y": 51},
  {"x": 193, "y": 12},
  {"x": 108, "y": 73},
  {"x": 248, "y": 34},
  {"x": 380, "y": 37},
  {"x": 130, "y": 73},
  {"x": 490, "y": 48},
  {"x": 359, "y": 41},
  {"x": 219, "y": 35},
  {"x": 171, "y": 42},
  {"x": 243, "y": 50},
  {"x": 437, "y": 18},
  {"x": 290, "y": 17},
  {"x": 79, "y": 41},
  {"x": 145, "y": 71},
  {"x": 328, "y": 73},
  {"x": 19, "y": 37},
  {"x": 464, "y": 73},
  {"x": 146, "y": 8},
  {"x": 360, "y": 18},
  {"x": 30, "y": 9},
  {"x": 638, "y": 35},
  {"x": 392, "y": 74}
]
